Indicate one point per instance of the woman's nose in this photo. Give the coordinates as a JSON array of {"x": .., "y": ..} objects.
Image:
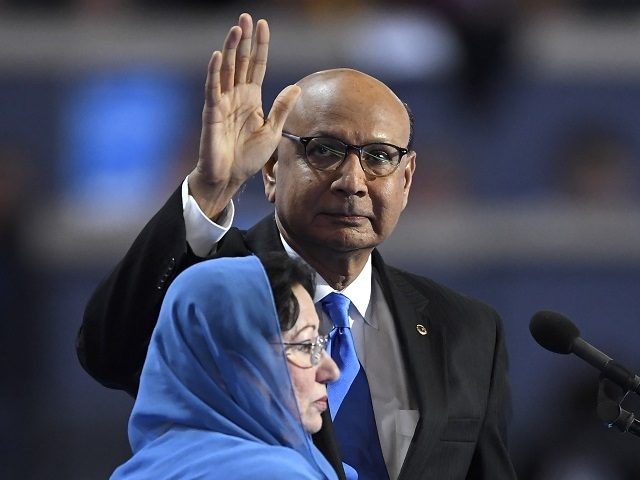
[{"x": 327, "y": 371}]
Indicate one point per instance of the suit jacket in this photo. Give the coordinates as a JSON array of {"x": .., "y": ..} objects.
[{"x": 457, "y": 370}]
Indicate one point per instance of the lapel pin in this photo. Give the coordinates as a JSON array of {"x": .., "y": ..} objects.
[{"x": 421, "y": 329}]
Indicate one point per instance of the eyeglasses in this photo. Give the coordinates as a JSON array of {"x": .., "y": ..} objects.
[
  {"x": 306, "y": 354},
  {"x": 328, "y": 153}
]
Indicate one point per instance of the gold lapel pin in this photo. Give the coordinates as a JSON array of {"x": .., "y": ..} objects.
[{"x": 421, "y": 329}]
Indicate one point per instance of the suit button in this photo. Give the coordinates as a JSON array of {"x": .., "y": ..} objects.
[
  {"x": 165, "y": 276},
  {"x": 421, "y": 329}
]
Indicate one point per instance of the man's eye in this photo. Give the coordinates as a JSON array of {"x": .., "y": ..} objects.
[
  {"x": 321, "y": 150},
  {"x": 380, "y": 156}
]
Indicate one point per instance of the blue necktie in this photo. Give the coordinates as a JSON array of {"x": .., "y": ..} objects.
[{"x": 350, "y": 399}]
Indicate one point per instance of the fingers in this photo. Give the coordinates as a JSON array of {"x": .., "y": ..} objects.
[
  {"x": 282, "y": 106},
  {"x": 244, "y": 48},
  {"x": 240, "y": 61},
  {"x": 227, "y": 72},
  {"x": 259, "y": 53},
  {"x": 212, "y": 92}
]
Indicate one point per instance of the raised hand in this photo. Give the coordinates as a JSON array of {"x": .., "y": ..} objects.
[{"x": 237, "y": 139}]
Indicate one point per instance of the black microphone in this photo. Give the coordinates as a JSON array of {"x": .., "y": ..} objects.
[{"x": 557, "y": 333}]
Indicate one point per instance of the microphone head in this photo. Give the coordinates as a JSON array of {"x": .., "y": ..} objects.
[{"x": 553, "y": 331}]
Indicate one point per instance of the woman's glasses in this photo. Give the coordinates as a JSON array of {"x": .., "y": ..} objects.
[{"x": 306, "y": 354}]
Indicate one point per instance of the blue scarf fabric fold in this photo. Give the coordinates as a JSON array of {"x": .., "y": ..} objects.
[{"x": 215, "y": 397}]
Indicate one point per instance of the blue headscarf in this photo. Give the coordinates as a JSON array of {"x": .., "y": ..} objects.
[{"x": 215, "y": 399}]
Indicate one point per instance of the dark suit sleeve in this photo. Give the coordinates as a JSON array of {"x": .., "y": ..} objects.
[
  {"x": 491, "y": 457},
  {"x": 120, "y": 315}
]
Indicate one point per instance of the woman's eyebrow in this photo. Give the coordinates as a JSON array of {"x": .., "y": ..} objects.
[{"x": 305, "y": 327}]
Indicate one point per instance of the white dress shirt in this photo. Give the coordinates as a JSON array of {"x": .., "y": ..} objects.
[{"x": 373, "y": 332}]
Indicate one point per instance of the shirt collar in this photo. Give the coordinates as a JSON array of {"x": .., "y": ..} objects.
[{"x": 358, "y": 291}]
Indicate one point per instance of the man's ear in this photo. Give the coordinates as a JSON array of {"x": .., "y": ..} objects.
[
  {"x": 269, "y": 177},
  {"x": 409, "y": 168}
]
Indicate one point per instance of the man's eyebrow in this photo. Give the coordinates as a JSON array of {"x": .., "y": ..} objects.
[{"x": 323, "y": 133}]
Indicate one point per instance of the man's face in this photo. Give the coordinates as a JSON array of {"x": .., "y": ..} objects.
[{"x": 346, "y": 209}]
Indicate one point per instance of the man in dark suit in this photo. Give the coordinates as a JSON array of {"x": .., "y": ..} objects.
[{"x": 336, "y": 159}]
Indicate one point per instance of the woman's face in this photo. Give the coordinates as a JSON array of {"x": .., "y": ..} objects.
[{"x": 309, "y": 382}]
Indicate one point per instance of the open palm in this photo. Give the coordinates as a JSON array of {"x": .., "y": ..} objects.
[{"x": 237, "y": 139}]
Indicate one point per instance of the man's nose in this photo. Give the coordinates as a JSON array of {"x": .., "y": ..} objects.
[{"x": 350, "y": 178}]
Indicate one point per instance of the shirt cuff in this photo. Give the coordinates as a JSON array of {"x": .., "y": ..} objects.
[{"x": 203, "y": 234}]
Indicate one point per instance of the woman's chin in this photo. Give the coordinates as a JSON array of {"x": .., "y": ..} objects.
[{"x": 314, "y": 425}]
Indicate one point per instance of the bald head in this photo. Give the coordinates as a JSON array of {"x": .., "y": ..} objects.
[
  {"x": 342, "y": 76},
  {"x": 347, "y": 97}
]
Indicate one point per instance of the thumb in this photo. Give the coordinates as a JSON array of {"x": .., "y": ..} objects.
[{"x": 282, "y": 106}]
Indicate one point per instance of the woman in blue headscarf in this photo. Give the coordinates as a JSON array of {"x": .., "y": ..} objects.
[{"x": 223, "y": 393}]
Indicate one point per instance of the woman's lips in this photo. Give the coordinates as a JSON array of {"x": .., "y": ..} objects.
[{"x": 321, "y": 404}]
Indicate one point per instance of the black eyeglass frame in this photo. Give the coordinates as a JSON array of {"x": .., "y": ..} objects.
[{"x": 359, "y": 148}]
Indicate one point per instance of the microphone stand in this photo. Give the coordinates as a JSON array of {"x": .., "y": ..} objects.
[{"x": 610, "y": 411}]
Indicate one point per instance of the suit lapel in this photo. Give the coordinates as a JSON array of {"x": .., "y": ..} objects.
[
  {"x": 264, "y": 237},
  {"x": 424, "y": 359},
  {"x": 325, "y": 440}
]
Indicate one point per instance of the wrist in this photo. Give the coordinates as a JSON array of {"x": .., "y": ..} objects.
[{"x": 212, "y": 196}]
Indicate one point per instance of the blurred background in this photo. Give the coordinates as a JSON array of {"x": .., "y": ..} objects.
[{"x": 525, "y": 195}]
